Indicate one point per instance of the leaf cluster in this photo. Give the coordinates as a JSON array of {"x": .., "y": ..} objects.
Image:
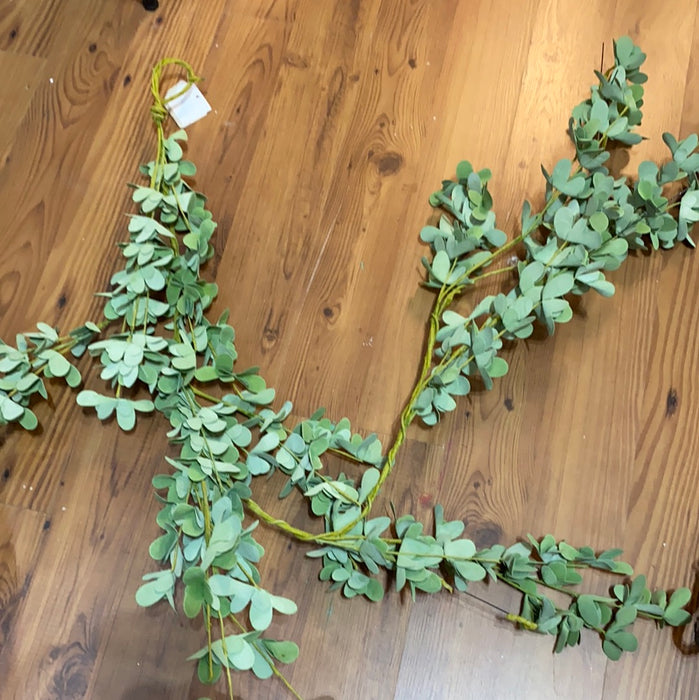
[
  {"x": 462, "y": 241},
  {"x": 430, "y": 563},
  {"x": 36, "y": 356},
  {"x": 589, "y": 222}
]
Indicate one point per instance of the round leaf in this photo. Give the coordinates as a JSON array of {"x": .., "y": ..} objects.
[
  {"x": 589, "y": 611},
  {"x": 286, "y": 652}
]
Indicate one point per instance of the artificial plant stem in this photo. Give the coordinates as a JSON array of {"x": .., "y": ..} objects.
[
  {"x": 273, "y": 666},
  {"x": 492, "y": 273},
  {"x": 283, "y": 679},
  {"x": 158, "y": 109},
  {"x": 406, "y": 418},
  {"x": 445, "y": 298},
  {"x": 282, "y": 525},
  {"x": 207, "y": 609},
  {"x": 225, "y": 651},
  {"x": 408, "y": 413},
  {"x": 519, "y": 620},
  {"x": 459, "y": 285}
]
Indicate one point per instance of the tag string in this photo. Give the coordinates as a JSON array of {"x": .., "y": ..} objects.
[{"x": 158, "y": 109}]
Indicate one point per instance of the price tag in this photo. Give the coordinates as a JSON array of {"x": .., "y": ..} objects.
[{"x": 189, "y": 107}]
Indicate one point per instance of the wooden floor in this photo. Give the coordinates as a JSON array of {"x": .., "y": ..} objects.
[{"x": 332, "y": 122}]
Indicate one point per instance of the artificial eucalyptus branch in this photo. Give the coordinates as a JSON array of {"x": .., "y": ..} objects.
[{"x": 156, "y": 336}]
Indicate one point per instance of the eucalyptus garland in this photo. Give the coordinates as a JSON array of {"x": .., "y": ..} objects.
[{"x": 227, "y": 426}]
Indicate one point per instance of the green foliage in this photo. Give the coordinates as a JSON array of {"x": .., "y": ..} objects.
[
  {"x": 165, "y": 348},
  {"x": 589, "y": 222},
  {"x": 36, "y": 356},
  {"x": 425, "y": 563},
  {"x": 461, "y": 242}
]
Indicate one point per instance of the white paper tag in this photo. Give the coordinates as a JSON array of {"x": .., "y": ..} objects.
[{"x": 187, "y": 108}]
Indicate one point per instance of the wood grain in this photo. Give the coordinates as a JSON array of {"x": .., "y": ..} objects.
[{"x": 332, "y": 122}]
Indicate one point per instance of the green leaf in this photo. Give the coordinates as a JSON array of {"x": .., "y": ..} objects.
[
  {"x": 568, "y": 552},
  {"x": 89, "y": 398},
  {"x": 530, "y": 275},
  {"x": 621, "y": 567},
  {"x": 646, "y": 189},
  {"x": 623, "y": 49},
  {"x": 125, "y": 414},
  {"x": 241, "y": 657},
  {"x": 158, "y": 585},
  {"x": 676, "y": 618},
  {"x": 445, "y": 530},
  {"x": 261, "y": 398},
  {"x": 374, "y": 590},
  {"x": 9, "y": 409},
  {"x": 27, "y": 384},
  {"x": 556, "y": 310},
  {"x": 599, "y": 222},
  {"x": 221, "y": 585},
  {"x": 548, "y": 543},
  {"x": 612, "y": 651},
  {"x": 286, "y": 652},
  {"x": 267, "y": 443},
  {"x": 679, "y": 599},
  {"x": 162, "y": 546},
  {"x": 558, "y": 285},
  {"x": 459, "y": 549},
  {"x": 203, "y": 671},
  {"x": 283, "y": 605},
  {"x": 187, "y": 168},
  {"x": 417, "y": 554},
  {"x": 47, "y": 331},
  {"x": 463, "y": 170},
  {"x": 369, "y": 479},
  {"x": 256, "y": 465},
  {"x": 174, "y": 150},
  {"x": 589, "y": 611},
  {"x": 470, "y": 570},
  {"x": 441, "y": 266},
  {"x": 192, "y": 601},
  {"x": 617, "y": 127},
  {"x": 498, "y": 368},
  {"x": 548, "y": 575},
  {"x": 600, "y": 113},
  {"x": 170, "y": 170},
  {"x": 262, "y": 667},
  {"x": 560, "y": 179},
  {"x": 206, "y": 373},
  {"x": 260, "y": 609},
  {"x": 624, "y": 640},
  {"x": 650, "y": 609},
  {"x": 625, "y": 616},
  {"x": 28, "y": 420},
  {"x": 430, "y": 584},
  {"x": 73, "y": 377},
  {"x": 58, "y": 365}
]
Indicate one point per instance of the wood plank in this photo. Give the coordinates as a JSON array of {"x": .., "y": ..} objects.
[
  {"x": 449, "y": 659},
  {"x": 56, "y": 135},
  {"x": 22, "y": 533},
  {"x": 385, "y": 132},
  {"x": 19, "y": 71},
  {"x": 79, "y": 580},
  {"x": 690, "y": 105},
  {"x": 24, "y": 27}
]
